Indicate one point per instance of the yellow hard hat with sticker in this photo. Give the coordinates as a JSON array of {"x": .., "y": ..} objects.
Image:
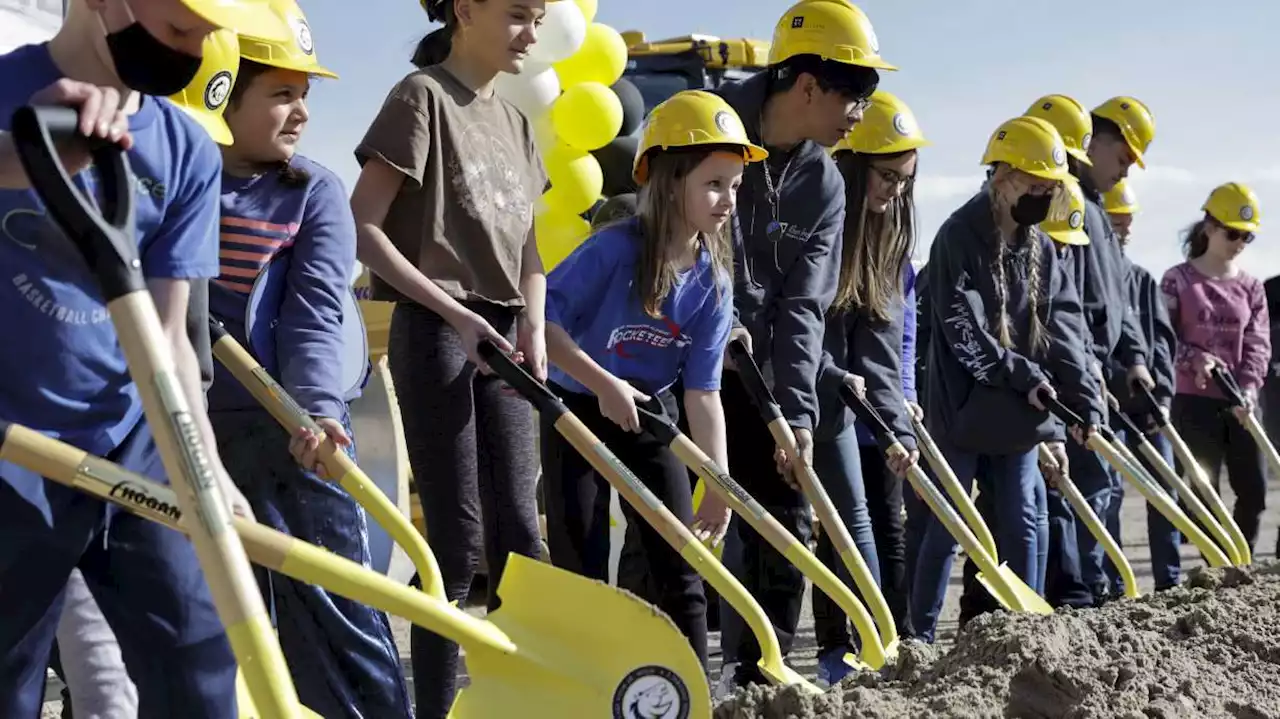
[
  {"x": 1069, "y": 229},
  {"x": 205, "y": 97}
]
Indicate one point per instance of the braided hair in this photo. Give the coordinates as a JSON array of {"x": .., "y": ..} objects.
[{"x": 1025, "y": 247}]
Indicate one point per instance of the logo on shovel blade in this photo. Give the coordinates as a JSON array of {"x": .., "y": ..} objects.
[{"x": 651, "y": 692}]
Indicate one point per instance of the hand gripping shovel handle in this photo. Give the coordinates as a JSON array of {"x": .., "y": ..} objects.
[
  {"x": 832, "y": 524},
  {"x": 1227, "y": 383},
  {"x": 1201, "y": 512},
  {"x": 654, "y": 512},
  {"x": 655, "y": 420},
  {"x": 107, "y": 243},
  {"x": 997, "y": 582},
  {"x": 1103, "y": 442},
  {"x": 338, "y": 465}
]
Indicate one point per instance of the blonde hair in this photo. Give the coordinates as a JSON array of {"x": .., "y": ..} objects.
[{"x": 661, "y": 213}]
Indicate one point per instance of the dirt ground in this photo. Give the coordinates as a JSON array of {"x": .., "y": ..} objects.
[{"x": 1195, "y": 652}]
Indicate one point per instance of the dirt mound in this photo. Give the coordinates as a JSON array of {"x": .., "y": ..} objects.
[{"x": 1208, "y": 649}]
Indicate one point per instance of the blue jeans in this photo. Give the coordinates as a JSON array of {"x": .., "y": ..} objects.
[
  {"x": 145, "y": 578},
  {"x": 341, "y": 654},
  {"x": 1015, "y": 490},
  {"x": 1075, "y": 575},
  {"x": 838, "y": 464},
  {"x": 1163, "y": 538}
]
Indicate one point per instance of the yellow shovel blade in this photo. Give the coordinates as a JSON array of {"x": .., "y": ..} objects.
[{"x": 584, "y": 649}]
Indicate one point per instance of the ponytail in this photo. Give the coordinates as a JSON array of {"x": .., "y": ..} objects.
[{"x": 434, "y": 48}]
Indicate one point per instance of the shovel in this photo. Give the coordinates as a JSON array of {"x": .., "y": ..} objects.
[
  {"x": 1024, "y": 597},
  {"x": 661, "y": 426},
  {"x": 559, "y": 646},
  {"x": 762, "y": 397},
  {"x": 1227, "y": 383},
  {"x": 1196, "y": 474},
  {"x": 1006, "y": 587},
  {"x": 1154, "y": 459},
  {"x": 337, "y": 463},
  {"x": 1099, "y": 531},
  {"x": 1104, "y": 443},
  {"x": 648, "y": 506},
  {"x": 107, "y": 243}
]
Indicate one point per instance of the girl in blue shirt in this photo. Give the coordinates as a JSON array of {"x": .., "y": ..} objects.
[
  {"x": 285, "y": 222},
  {"x": 637, "y": 306}
]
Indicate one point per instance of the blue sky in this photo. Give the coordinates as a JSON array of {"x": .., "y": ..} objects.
[{"x": 967, "y": 65}]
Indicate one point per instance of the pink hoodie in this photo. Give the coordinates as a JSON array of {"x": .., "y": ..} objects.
[{"x": 1226, "y": 318}]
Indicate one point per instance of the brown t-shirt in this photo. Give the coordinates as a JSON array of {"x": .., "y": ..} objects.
[{"x": 472, "y": 176}]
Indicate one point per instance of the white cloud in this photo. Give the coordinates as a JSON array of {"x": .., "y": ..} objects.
[
  {"x": 944, "y": 187},
  {"x": 1167, "y": 174}
]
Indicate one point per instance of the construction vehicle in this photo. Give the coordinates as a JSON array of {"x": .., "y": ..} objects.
[{"x": 661, "y": 68}]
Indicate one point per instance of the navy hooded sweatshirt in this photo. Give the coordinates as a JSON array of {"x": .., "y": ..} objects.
[
  {"x": 977, "y": 389},
  {"x": 786, "y": 265},
  {"x": 1147, "y": 305},
  {"x": 1101, "y": 278},
  {"x": 874, "y": 350}
]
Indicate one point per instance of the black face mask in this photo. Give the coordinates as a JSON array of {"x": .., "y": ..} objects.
[
  {"x": 1031, "y": 209},
  {"x": 147, "y": 65}
]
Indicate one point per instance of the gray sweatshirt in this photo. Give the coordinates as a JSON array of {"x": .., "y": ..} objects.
[
  {"x": 786, "y": 257},
  {"x": 977, "y": 389}
]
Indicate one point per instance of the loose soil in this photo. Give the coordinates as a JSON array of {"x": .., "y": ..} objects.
[{"x": 1210, "y": 648}]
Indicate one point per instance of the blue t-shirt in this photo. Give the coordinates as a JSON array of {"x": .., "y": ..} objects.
[
  {"x": 68, "y": 378},
  {"x": 591, "y": 295}
]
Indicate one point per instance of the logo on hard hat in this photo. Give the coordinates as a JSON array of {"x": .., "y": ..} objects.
[
  {"x": 902, "y": 124},
  {"x": 797, "y": 22},
  {"x": 724, "y": 123},
  {"x": 1075, "y": 220},
  {"x": 217, "y": 91},
  {"x": 1127, "y": 196},
  {"x": 651, "y": 692},
  {"x": 1084, "y": 141},
  {"x": 1246, "y": 213},
  {"x": 1047, "y": 106},
  {"x": 302, "y": 33},
  {"x": 1059, "y": 156}
]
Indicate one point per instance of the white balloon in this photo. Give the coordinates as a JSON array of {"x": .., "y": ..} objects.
[
  {"x": 532, "y": 91},
  {"x": 561, "y": 34}
]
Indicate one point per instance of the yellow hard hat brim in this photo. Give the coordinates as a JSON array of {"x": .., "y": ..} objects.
[
  {"x": 1080, "y": 155},
  {"x": 1137, "y": 154},
  {"x": 877, "y": 63},
  {"x": 1242, "y": 225},
  {"x": 247, "y": 18},
  {"x": 304, "y": 67},
  {"x": 1075, "y": 238},
  {"x": 212, "y": 124}
]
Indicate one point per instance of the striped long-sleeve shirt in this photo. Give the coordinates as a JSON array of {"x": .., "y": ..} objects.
[{"x": 310, "y": 222}]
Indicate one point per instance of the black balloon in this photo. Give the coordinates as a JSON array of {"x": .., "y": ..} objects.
[
  {"x": 632, "y": 105},
  {"x": 613, "y": 209},
  {"x": 615, "y": 161}
]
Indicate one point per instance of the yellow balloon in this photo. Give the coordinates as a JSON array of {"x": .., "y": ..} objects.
[
  {"x": 587, "y": 116},
  {"x": 602, "y": 58},
  {"x": 588, "y": 8},
  {"x": 576, "y": 179},
  {"x": 559, "y": 233}
]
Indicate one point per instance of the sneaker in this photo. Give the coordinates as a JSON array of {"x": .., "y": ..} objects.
[
  {"x": 832, "y": 667},
  {"x": 726, "y": 684}
]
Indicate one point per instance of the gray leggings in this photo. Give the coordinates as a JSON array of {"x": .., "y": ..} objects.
[
  {"x": 471, "y": 445},
  {"x": 92, "y": 665}
]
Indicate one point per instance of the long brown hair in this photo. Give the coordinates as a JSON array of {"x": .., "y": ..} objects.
[
  {"x": 1026, "y": 245},
  {"x": 1195, "y": 240},
  {"x": 661, "y": 213},
  {"x": 877, "y": 246}
]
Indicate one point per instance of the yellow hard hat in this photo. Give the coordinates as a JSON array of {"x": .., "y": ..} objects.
[
  {"x": 831, "y": 29},
  {"x": 1136, "y": 123},
  {"x": 254, "y": 17},
  {"x": 1031, "y": 145},
  {"x": 690, "y": 118},
  {"x": 888, "y": 126},
  {"x": 1071, "y": 120},
  {"x": 1069, "y": 229},
  {"x": 1120, "y": 200},
  {"x": 1235, "y": 205},
  {"x": 296, "y": 53},
  {"x": 205, "y": 97}
]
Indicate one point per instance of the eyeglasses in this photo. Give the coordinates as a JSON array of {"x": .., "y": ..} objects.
[{"x": 893, "y": 177}]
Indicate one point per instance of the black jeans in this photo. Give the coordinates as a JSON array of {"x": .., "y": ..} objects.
[
  {"x": 1217, "y": 439},
  {"x": 578, "y": 522},
  {"x": 471, "y": 446},
  {"x": 775, "y": 582}
]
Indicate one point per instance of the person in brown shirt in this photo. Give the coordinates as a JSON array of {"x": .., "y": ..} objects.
[{"x": 444, "y": 210}]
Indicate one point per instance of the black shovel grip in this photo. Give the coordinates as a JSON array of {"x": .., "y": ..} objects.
[
  {"x": 753, "y": 381},
  {"x": 654, "y": 420},
  {"x": 1070, "y": 418},
  {"x": 1127, "y": 424},
  {"x": 1150, "y": 404},
  {"x": 1227, "y": 384},
  {"x": 217, "y": 330},
  {"x": 542, "y": 398},
  {"x": 103, "y": 237},
  {"x": 869, "y": 415}
]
